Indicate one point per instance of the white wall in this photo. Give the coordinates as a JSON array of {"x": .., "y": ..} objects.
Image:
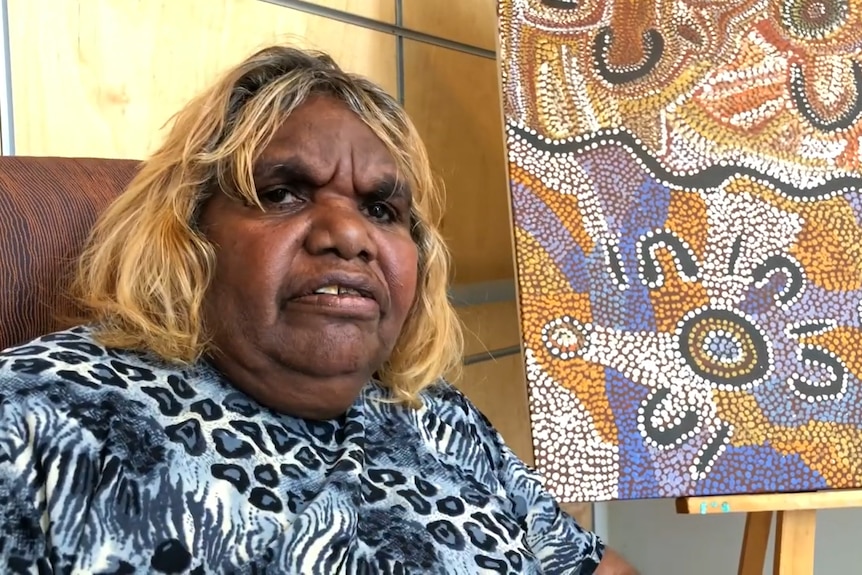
[{"x": 658, "y": 541}]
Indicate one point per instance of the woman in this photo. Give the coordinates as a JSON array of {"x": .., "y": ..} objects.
[{"x": 257, "y": 385}]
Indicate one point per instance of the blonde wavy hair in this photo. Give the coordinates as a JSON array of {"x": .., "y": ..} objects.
[{"x": 146, "y": 268}]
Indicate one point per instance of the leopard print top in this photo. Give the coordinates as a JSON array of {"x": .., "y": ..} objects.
[{"x": 114, "y": 462}]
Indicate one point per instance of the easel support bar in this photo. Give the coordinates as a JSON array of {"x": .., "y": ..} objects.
[{"x": 754, "y": 503}]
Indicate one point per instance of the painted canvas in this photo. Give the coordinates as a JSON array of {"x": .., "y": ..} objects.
[{"x": 685, "y": 187}]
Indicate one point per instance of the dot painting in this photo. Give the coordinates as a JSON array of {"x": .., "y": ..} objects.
[{"x": 686, "y": 189}]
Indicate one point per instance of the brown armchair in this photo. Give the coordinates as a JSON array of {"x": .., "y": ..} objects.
[{"x": 47, "y": 207}]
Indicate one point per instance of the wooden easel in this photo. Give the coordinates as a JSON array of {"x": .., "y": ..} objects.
[{"x": 795, "y": 525}]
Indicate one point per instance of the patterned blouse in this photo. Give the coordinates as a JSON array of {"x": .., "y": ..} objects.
[{"x": 114, "y": 462}]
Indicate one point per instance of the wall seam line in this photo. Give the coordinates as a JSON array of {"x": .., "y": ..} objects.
[
  {"x": 385, "y": 27},
  {"x": 399, "y": 51}
]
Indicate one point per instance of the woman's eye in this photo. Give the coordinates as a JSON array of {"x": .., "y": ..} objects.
[
  {"x": 381, "y": 211},
  {"x": 279, "y": 196}
]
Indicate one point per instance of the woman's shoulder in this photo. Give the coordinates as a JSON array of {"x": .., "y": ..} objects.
[
  {"x": 67, "y": 350},
  {"x": 65, "y": 391},
  {"x": 446, "y": 403},
  {"x": 69, "y": 365},
  {"x": 80, "y": 340},
  {"x": 445, "y": 417},
  {"x": 71, "y": 350}
]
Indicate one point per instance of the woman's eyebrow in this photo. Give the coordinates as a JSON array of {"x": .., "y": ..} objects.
[
  {"x": 389, "y": 189},
  {"x": 292, "y": 169}
]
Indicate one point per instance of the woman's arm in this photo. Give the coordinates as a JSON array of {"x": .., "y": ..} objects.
[{"x": 613, "y": 564}]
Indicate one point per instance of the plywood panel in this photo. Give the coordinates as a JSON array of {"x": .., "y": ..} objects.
[
  {"x": 454, "y": 99},
  {"x": 383, "y": 10},
  {"x": 497, "y": 386},
  {"x": 102, "y": 77},
  {"x": 489, "y": 326},
  {"x": 472, "y": 22}
]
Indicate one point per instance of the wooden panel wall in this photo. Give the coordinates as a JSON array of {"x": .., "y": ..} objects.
[
  {"x": 382, "y": 10},
  {"x": 497, "y": 386},
  {"x": 472, "y": 22},
  {"x": 454, "y": 99},
  {"x": 102, "y": 77}
]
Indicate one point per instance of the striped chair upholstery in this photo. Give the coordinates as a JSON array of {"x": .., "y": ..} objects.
[{"x": 47, "y": 207}]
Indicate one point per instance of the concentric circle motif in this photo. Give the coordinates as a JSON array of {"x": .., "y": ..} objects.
[
  {"x": 814, "y": 19},
  {"x": 565, "y": 337},
  {"x": 724, "y": 347}
]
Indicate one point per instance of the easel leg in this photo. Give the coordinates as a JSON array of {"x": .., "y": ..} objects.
[
  {"x": 794, "y": 542},
  {"x": 795, "y": 524},
  {"x": 754, "y": 542}
]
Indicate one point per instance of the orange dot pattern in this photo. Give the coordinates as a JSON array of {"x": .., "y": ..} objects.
[{"x": 686, "y": 186}]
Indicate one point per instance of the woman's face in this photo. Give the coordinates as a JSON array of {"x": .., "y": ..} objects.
[{"x": 310, "y": 295}]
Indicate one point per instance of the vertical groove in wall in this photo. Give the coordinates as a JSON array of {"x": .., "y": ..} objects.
[
  {"x": 7, "y": 129},
  {"x": 399, "y": 50}
]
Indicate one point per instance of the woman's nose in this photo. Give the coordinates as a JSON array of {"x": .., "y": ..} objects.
[{"x": 339, "y": 226}]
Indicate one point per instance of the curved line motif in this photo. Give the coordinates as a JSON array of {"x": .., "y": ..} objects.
[
  {"x": 673, "y": 433},
  {"x": 792, "y": 270},
  {"x": 803, "y": 104},
  {"x": 810, "y": 328},
  {"x": 651, "y": 272},
  {"x": 713, "y": 176},
  {"x": 615, "y": 262},
  {"x": 821, "y": 390},
  {"x": 653, "y": 47},
  {"x": 712, "y": 450},
  {"x": 735, "y": 250},
  {"x": 561, "y": 4}
]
